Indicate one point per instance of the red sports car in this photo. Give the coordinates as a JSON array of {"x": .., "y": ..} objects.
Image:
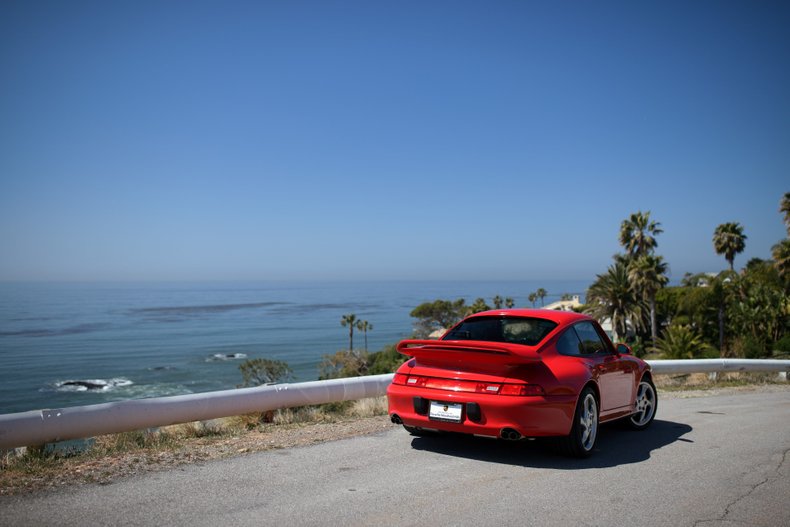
[{"x": 522, "y": 373}]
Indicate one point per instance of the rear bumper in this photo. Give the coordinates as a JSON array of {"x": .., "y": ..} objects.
[{"x": 531, "y": 416}]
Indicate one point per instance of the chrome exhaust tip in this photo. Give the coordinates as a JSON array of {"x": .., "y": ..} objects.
[{"x": 510, "y": 434}]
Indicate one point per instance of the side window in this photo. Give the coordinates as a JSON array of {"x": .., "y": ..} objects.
[
  {"x": 591, "y": 341},
  {"x": 569, "y": 344}
]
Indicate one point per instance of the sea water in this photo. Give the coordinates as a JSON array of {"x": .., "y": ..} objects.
[{"x": 69, "y": 344}]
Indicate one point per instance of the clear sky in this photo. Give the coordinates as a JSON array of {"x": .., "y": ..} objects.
[{"x": 385, "y": 140}]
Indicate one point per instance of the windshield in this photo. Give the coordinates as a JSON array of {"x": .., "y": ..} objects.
[{"x": 526, "y": 331}]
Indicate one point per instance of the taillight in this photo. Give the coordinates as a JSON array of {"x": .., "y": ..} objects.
[
  {"x": 455, "y": 385},
  {"x": 484, "y": 387},
  {"x": 415, "y": 380},
  {"x": 521, "y": 389}
]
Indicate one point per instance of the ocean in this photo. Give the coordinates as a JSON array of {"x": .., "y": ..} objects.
[{"x": 70, "y": 344}]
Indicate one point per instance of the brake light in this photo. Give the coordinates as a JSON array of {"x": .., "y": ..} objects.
[
  {"x": 521, "y": 389},
  {"x": 455, "y": 385}
]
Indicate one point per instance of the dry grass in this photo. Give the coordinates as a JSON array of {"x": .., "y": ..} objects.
[
  {"x": 109, "y": 457},
  {"x": 705, "y": 381}
]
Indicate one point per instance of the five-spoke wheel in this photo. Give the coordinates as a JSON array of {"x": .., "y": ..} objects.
[
  {"x": 645, "y": 405},
  {"x": 581, "y": 441}
]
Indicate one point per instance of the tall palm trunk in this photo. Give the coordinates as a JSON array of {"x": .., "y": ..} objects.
[
  {"x": 721, "y": 330},
  {"x": 653, "y": 324}
]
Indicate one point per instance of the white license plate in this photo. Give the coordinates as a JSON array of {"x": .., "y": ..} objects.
[{"x": 445, "y": 412}]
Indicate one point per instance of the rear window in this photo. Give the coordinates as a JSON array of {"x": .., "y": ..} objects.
[{"x": 526, "y": 331}]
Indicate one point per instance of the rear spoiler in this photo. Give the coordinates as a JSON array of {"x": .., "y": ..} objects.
[{"x": 469, "y": 351}]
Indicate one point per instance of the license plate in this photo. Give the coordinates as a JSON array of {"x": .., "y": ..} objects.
[{"x": 445, "y": 412}]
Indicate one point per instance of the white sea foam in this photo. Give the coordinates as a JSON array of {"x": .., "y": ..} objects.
[
  {"x": 226, "y": 356},
  {"x": 92, "y": 385}
]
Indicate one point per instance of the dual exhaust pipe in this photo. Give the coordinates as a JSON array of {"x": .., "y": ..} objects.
[{"x": 510, "y": 434}]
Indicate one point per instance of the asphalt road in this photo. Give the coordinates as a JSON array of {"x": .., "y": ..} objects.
[{"x": 719, "y": 460}]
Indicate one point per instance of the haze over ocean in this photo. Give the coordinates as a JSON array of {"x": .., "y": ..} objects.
[{"x": 155, "y": 339}]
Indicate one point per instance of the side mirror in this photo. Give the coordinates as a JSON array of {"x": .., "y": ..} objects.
[{"x": 623, "y": 349}]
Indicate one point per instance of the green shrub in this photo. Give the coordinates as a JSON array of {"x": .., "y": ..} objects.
[
  {"x": 255, "y": 372},
  {"x": 681, "y": 342},
  {"x": 344, "y": 363},
  {"x": 748, "y": 347},
  {"x": 385, "y": 361},
  {"x": 783, "y": 344}
]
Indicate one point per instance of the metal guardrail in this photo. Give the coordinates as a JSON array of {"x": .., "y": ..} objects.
[
  {"x": 717, "y": 365},
  {"x": 38, "y": 427}
]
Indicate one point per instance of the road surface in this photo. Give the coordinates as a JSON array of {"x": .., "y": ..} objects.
[{"x": 717, "y": 460}]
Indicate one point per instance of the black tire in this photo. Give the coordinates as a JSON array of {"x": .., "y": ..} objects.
[
  {"x": 584, "y": 432},
  {"x": 645, "y": 405}
]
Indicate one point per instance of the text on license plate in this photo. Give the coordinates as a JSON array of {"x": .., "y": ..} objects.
[{"x": 445, "y": 412}]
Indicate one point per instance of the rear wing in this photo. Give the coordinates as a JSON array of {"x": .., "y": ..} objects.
[{"x": 475, "y": 351}]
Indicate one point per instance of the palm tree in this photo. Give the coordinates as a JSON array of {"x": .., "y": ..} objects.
[
  {"x": 364, "y": 326},
  {"x": 498, "y": 302},
  {"x": 781, "y": 256},
  {"x": 637, "y": 234},
  {"x": 729, "y": 240},
  {"x": 611, "y": 296},
  {"x": 781, "y": 251},
  {"x": 478, "y": 306},
  {"x": 647, "y": 275},
  {"x": 541, "y": 293},
  {"x": 784, "y": 208},
  {"x": 680, "y": 342},
  {"x": 532, "y": 298},
  {"x": 349, "y": 320},
  {"x": 509, "y": 302}
]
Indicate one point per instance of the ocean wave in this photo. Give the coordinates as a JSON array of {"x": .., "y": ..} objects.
[
  {"x": 92, "y": 385},
  {"x": 143, "y": 391}
]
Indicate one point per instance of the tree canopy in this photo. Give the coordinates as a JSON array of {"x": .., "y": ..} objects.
[
  {"x": 638, "y": 232},
  {"x": 729, "y": 240}
]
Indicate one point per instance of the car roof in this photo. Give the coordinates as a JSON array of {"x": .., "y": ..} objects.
[{"x": 560, "y": 317}]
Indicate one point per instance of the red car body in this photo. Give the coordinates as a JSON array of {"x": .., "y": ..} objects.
[{"x": 521, "y": 373}]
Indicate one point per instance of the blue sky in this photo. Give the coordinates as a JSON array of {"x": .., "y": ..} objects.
[{"x": 385, "y": 140}]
